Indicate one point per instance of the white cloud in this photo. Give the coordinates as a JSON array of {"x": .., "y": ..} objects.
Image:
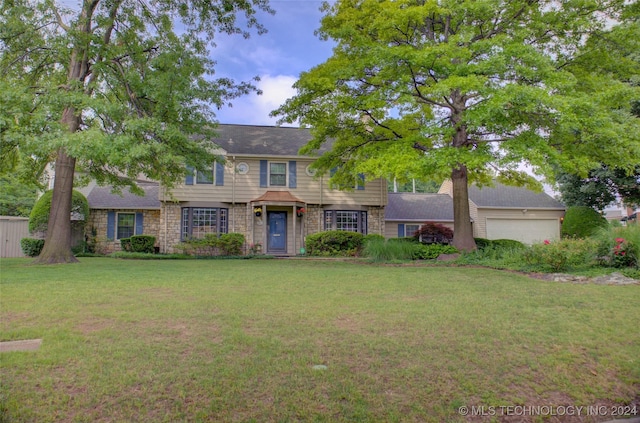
[{"x": 255, "y": 109}]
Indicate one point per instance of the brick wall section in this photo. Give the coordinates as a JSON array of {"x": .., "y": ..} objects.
[{"x": 98, "y": 223}]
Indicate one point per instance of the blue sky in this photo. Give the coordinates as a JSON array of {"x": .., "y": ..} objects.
[{"x": 277, "y": 57}]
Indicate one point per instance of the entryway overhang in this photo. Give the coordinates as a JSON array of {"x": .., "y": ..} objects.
[{"x": 262, "y": 208}]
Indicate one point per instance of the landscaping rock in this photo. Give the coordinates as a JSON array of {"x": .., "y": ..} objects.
[{"x": 611, "y": 279}]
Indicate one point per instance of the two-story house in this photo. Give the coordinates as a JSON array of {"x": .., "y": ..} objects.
[{"x": 265, "y": 190}]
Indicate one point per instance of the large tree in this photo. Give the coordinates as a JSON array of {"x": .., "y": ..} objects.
[
  {"x": 115, "y": 88},
  {"x": 462, "y": 89}
]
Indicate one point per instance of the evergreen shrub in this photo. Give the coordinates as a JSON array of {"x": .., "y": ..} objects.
[
  {"x": 334, "y": 243},
  {"x": 31, "y": 247},
  {"x": 582, "y": 222}
]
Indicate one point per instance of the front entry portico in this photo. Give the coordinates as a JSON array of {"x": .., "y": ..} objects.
[{"x": 278, "y": 222}]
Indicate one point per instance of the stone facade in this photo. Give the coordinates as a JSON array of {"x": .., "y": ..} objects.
[
  {"x": 97, "y": 228},
  {"x": 170, "y": 221},
  {"x": 375, "y": 220}
]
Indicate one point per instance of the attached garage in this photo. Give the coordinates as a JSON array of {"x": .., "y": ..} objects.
[{"x": 528, "y": 231}]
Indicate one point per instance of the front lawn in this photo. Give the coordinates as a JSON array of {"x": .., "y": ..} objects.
[{"x": 237, "y": 340}]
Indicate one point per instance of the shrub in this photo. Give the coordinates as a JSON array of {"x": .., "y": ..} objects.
[
  {"x": 582, "y": 222},
  {"x": 142, "y": 244},
  {"x": 39, "y": 217},
  {"x": 213, "y": 245},
  {"x": 380, "y": 250},
  {"x": 432, "y": 251},
  {"x": 434, "y": 233},
  {"x": 231, "y": 244},
  {"x": 507, "y": 244},
  {"x": 371, "y": 237},
  {"x": 560, "y": 255},
  {"x": 334, "y": 243},
  {"x": 31, "y": 247},
  {"x": 619, "y": 246},
  {"x": 482, "y": 243}
]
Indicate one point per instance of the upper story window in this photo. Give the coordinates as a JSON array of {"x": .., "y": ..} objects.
[
  {"x": 210, "y": 176},
  {"x": 277, "y": 174},
  {"x": 346, "y": 220},
  {"x": 204, "y": 177}
]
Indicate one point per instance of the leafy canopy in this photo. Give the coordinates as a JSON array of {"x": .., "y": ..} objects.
[
  {"x": 419, "y": 88},
  {"x": 138, "y": 75}
]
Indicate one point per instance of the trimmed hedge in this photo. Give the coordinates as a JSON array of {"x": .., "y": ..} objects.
[
  {"x": 334, "y": 243},
  {"x": 582, "y": 222},
  {"x": 39, "y": 217},
  {"x": 139, "y": 244},
  {"x": 213, "y": 245},
  {"x": 31, "y": 247}
]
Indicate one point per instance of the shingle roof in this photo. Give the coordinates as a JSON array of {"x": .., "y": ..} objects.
[
  {"x": 278, "y": 196},
  {"x": 511, "y": 197},
  {"x": 419, "y": 207},
  {"x": 103, "y": 198},
  {"x": 262, "y": 140}
]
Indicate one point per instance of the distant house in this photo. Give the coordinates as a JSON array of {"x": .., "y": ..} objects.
[{"x": 498, "y": 212}]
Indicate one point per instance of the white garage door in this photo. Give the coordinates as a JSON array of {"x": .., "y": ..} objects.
[{"x": 529, "y": 231}]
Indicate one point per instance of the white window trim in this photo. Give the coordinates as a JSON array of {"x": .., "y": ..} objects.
[
  {"x": 213, "y": 177},
  {"x": 286, "y": 173},
  {"x": 410, "y": 234}
]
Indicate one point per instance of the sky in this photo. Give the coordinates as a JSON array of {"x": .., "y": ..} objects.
[{"x": 277, "y": 57}]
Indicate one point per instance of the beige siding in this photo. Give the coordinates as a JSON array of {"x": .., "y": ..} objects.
[
  {"x": 245, "y": 188},
  {"x": 12, "y": 230}
]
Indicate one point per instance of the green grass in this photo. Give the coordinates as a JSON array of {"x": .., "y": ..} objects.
[{"x": 216, "y": 340}]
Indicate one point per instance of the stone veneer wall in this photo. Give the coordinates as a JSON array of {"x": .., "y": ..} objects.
[
  {"x": 375, "y": 220},
  {"x": 98, "y": 223},
  {"x": 170, "y": 221}
]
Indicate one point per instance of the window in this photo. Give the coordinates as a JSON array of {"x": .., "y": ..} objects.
[
  {"x": 126, "y": 225},
  {"x": 409, "y": 230},
  {"x": 204, "y": 177},
  {"x": 199, "y": 221},
  {"x": 343, "y": 220},
  {"x": 278, "y": 174}
]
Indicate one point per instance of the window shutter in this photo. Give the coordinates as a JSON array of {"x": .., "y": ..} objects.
[
  {"x": 293, "y": 183},
  {"x": 219, "y": 174},
  {"x": 111, "y": 225},
  {"x": 360, "y": 182},
  {"x": 400, "y": 230},
  {"x": 263, "y": 174},
  {"x": 189, "y": 178},
  {"x": 139, "y": 224}
]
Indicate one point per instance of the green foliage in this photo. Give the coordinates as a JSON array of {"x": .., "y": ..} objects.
[
  {"x": 334, "y": 243},
  {"x": 16, "y": 198},
  {"x": 619, "y": 246},
  {"x": 31, "y": 247},
  {"x": 482, "y": 243},
  {"x": 230, "y": 244},
  {"x": 419, "y": 89},
  {"x": 507, "y": 244},
  {"x": 434, "y": 233},
  {"x": 582, "y": 222},
  {"x": 432, "y": 251},
  {"x": 560, "y": 255},
  {"x": 371, "y": 237},
  {"x": 39, "y": 217},
  {"x": 139, "y": 244},
  {"x": 386, "y": 251}
]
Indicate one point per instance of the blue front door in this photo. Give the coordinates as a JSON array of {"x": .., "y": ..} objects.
[{"x": 277, "y": 240}]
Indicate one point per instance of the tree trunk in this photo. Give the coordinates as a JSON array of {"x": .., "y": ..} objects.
[
  {"x": 57, "y": 245},
  {"x": 462, "y": 228}
]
